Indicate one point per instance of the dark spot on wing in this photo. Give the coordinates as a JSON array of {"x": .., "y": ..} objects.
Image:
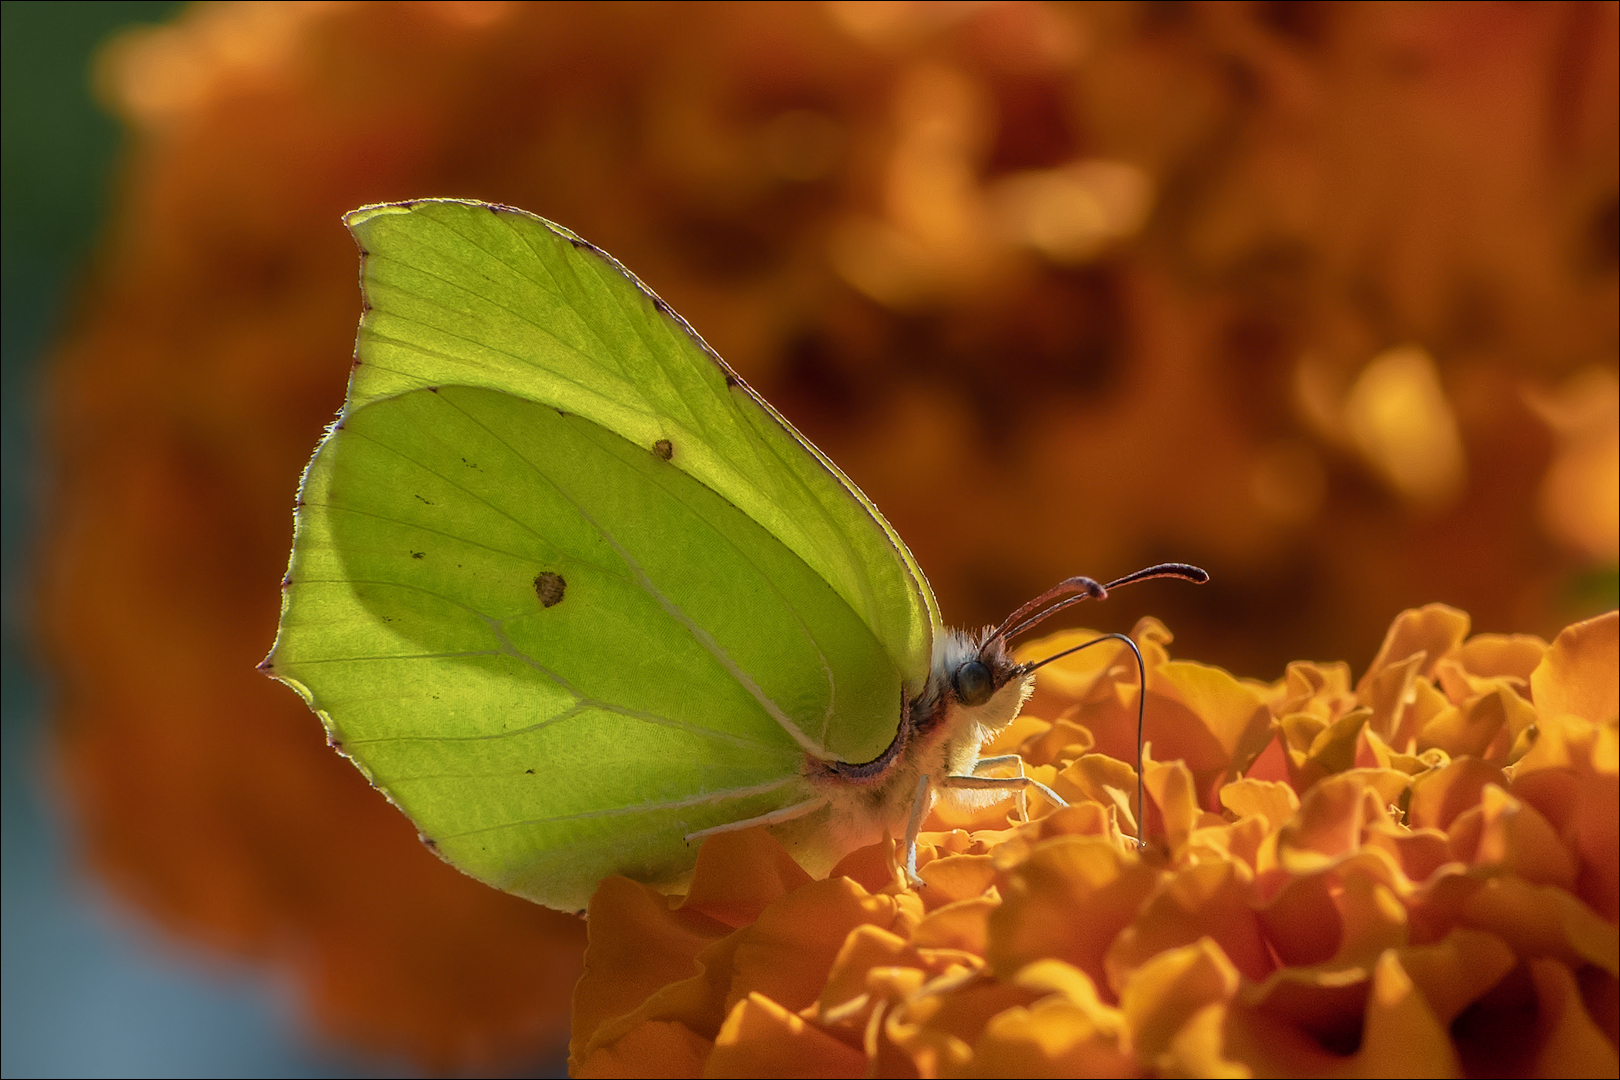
[
  {"x": 334, "y": 742},
  {"x": 418, "y": 554},
  {"x": 528, "y": 772},
  {"x": 664, "y": 449},
  {"x": 549, "y": 587},
  {"x": 428, "y": 502},
  {"x": 732, "y": 380},
  {"x": 431, "y": 845},
  {"x": 469, "y": 464},
  {"x": 433, "y": 389}
]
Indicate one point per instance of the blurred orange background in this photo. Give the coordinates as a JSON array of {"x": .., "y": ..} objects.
[{"x": 1320, "y": 297}]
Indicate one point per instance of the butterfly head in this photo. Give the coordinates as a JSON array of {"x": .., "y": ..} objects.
[{"x": 974, "y": 679}]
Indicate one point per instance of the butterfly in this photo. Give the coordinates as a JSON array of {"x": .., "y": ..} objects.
[{"x": 573, "y": 596}]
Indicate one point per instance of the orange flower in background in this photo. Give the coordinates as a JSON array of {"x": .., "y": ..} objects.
[
  {"x": 1430, "y": 891},
  {"x": 1322, "y": 297}
]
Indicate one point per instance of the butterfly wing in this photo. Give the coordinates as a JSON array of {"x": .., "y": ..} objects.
[
  {"x": 490, "y": 296},
  {"x": 520, "y": 598}
]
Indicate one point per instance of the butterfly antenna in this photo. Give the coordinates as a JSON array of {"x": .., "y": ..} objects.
[
  {"x": 1071, "y": 591},
  {"x": 1141, "y": 712}
]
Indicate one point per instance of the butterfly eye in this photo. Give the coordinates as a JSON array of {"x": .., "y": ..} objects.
[{"x": 973, "y": 683}]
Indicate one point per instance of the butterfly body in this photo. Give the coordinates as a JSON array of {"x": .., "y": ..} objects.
[{"x": 938, "y": 737}]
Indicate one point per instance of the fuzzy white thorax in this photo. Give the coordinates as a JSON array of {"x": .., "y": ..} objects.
[{"x": 945, "y": 738}]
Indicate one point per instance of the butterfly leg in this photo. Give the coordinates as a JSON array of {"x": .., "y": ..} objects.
[
  {"x": 775, "y": 817},
  {"x": 919, "y": 807},
  {"x": 1006, "y": 759},
  {"x": 993, "y": 783}
]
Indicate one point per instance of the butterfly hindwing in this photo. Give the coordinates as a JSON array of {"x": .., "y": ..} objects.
[{"x": 555, "y": 652}]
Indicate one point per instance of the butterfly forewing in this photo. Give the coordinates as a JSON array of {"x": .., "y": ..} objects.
[{"x": 488, "y": 296}]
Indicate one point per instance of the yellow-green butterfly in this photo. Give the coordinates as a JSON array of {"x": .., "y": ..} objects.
[{"x": 573, "y": 596}]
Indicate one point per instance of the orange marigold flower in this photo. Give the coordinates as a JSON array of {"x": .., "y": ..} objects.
[{"x": 1414, "y": 875}]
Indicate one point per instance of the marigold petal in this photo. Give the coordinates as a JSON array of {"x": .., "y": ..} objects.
[
  {"x": 1372, "y": 752},
  {"x": 1174, "y": 811},
  {"x": 1577, "y": 677},
  {"x": 1496, "y": 656},
  {"x": 1199, "y": 1048},
  {"x": 951, "y": 878},
  {"x": 1420, "y": 852},
  {"x": 1010, "y": 739},
  {"x": 873, "y": 867},
  {"x": 1570, "y": 777},
  {"x": 1518, "y": 839},
  {"x": 1100, "y": 779},
  {"x": 1333, "y": 814},
  {"x": 1434, "y": 630},
  {"x": 963, "y": 925},
  {"x": 1454, "y": 972},
  {"x": 1209, "y": 900},
  {"x": 740, "y": 874},
  {"x": 1076, "y": 675},
  {"x": 761, "y": 1038},
  {"x": 1372, "y": 919},
  {"x": 1316, "y": 749},
  {"x": 1438, "y": 797},
  {"x": 940, "y": 1024},
  {"x": 1320, "y": 689},
  {"x": 1402, "y": 1037},
  {"x": 1040, "y": 899},
  {"x": 1302, "y": 922},
  {"x": 1168, "y": 991},
  {"x": 1571, "y": 1044},
  {"x": 865, "y": 948},
  {"x": 1390, "y": 693},
  {"x": 1056, "y": 977},
  {"x": 1470, "y": 728},
  {"x": 674, "y": 1048},
  {"x": 636, "y": 946},
  {"x": 1233, "y": 712},
  {"x": 1240, "y": 841},
  {"x": 1325, "y": 1004},
  {"x": 698, "y": 1003},
  {"x": 1269, "y": 799},
  {"x": 787, "y": 953},
  {"x": 1049, "y": 1038},
  {"x": 1271, "y": 1046},
  {"x": 1272, "y": 764},
  {"x": 1540, "y": 920},
  {"x": 1084, "y": 818},
  {"x": 1060, "y": 743}
]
